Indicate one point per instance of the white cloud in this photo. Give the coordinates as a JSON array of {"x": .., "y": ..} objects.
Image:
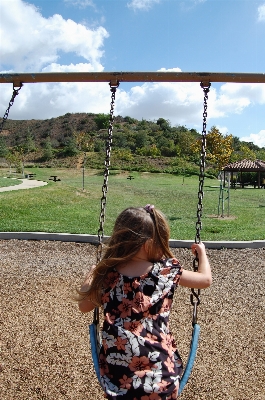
[
  {"x": 181, "y": 103},
  {"x": 233, "y": 98},
  {"x": 80, "y": 3},
  {"x": 257, "y": 138},
  {"x": 33, "y": 42},
  {"x": 142, "y": 4},
  {"x": 47, "y": 100},
  {"x": 223, "y": 129},
  {"x": 261, "y": 12}
]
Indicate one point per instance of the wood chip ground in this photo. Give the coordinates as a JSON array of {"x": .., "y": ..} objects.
[{"x": 44, "y": 343}]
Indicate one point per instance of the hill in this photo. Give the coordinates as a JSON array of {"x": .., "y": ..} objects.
[{"x": 72, "y": 139}]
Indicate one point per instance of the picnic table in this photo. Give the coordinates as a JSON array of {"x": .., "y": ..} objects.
[
  {"x": 54, "y": 178},
  {"x": 30, "y": 176}
]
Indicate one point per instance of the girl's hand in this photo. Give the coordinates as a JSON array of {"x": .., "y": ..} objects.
[
  {"x": 198, "y": 249},
  {"x": 86, "y": 304},
  {"x": 203, "y": 277}
]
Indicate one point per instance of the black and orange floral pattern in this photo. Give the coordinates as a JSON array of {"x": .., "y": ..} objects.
[{"x": 138, "y": 358}]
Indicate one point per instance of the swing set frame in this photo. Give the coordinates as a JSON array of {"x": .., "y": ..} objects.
[{"x": 114, "y": 79}]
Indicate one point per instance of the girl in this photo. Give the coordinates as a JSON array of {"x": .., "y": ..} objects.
[{"x": 135, "y": 283}]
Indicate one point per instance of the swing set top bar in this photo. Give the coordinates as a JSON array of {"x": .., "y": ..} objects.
[{"x": 115, "y": 77}]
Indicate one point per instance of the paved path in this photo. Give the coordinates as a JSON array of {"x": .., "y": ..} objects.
[{"x": 25, "y": 184}]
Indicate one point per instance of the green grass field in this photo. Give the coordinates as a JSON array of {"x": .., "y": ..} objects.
[
  {"x": 65, "y": 207},
  {"x": 8, "y": 182}
]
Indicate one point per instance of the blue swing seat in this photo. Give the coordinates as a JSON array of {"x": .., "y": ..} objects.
[
  {"x": 191, "y": 358},
  {"x": 95, "y": 348}
]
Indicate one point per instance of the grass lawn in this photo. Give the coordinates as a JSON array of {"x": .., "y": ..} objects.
[
  {"x": 8, "y": 182},
  {"x": 65, "y": 207}
]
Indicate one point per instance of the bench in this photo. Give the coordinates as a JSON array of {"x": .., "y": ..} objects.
[
  {"x": 54, "y": 178},
  {"x": 30, "y": 176}
]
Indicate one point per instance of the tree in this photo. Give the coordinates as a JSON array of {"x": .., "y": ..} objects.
[
  {"x": 17, "y": 157},
  {"x": 11, "y": 159},
  {"x": 84, "y": 141},
  {"x": 151, "y": 151},
  {"x": 48, "y": 151},
  {"x": 3, "y": 147},
  {"x": 29, "y": 144},
  {"x": 102, "y": 121},
  {"x": 244, "y": 152},
  {"x": 141, "y": 139},
  {"x": 163, "y": 123},
  {"x": 70, "y": 148},
  {"x": 219, "y": 148},
  {"x": 185, "y": 139},
  {"x": 119, "y": 140}
]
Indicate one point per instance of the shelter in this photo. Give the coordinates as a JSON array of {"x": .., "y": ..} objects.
[{"x": 246, "y": 166}]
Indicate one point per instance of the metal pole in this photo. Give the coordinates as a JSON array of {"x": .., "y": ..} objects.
[
  {"x": 115, "y": 77},
  {"x": 222, "y": 200},
  {"x": 84, "y": 160},
  {"x": 228, "y": 196}
]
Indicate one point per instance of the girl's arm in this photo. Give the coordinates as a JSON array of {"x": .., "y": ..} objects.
[
  {"x": 86, "y": 304},
  {"x": 203, "y": 277}
]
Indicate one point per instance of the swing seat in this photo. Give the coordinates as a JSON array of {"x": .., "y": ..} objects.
[
  {"x": 94, "y": 348},
  {"x": 190, "y": 362},
  {"x": 191, "y": 358}
]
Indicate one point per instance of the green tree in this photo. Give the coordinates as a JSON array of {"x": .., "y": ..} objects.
[
  {"x": 119, "y": 140},
  {"x": 48, "y": 151},
  {"x": 244, "y": 152},
  {"x": 11, "y": 160},
  {"x": 141, "y": 139},
  {"x": 84, "y": 141},
  {"x": 29, "y": 143},
  {"x": 70, "y": 148},
  {"x": 219, "y": 148},
  {"x": 163, "y": 123},
  {"x": 102, "y": 121},
  {"x": 3, "y": 147}
]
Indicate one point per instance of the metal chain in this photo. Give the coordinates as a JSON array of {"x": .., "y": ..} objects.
[
  {"x": 15, "y": 93},
  {"x": 195, "y": 303},
  {"x": 106, "y": 172}
]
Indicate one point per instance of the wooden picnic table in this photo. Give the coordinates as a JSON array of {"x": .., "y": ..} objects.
[
  {"x": 31, "y": 175},
  {"x": 54, "y": 178}
]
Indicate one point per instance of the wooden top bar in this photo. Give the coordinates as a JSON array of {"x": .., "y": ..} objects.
[{"x": 114, "y": 77}]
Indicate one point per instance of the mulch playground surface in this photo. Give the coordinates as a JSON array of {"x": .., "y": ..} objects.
[{"x": 44, "y": 343}]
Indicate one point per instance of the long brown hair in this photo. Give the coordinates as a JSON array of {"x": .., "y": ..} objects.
[{"x": 133, "y": 227}]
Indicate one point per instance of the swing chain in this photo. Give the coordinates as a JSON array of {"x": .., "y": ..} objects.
[
  {"x": 15, "y": 93},
  {"x": 194, "y": 294},
  {"x": 102, "y": 216}
]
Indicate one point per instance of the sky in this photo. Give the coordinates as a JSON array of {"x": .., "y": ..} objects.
[{"x": 138, "y": 35}]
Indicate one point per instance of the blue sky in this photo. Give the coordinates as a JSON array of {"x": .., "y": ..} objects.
[{"x": 138, "y": 35}]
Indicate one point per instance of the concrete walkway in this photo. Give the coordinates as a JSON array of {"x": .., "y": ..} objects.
[{"x": 25, "y": 184}]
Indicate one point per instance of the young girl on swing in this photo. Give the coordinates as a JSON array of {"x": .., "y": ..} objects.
[{"x": 135, "y": 283}]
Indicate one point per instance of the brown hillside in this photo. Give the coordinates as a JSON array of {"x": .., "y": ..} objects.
[{"x": 56, "y": 128}]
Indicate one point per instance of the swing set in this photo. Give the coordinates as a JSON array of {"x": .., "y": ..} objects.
[{"x": 114, "y": 79}]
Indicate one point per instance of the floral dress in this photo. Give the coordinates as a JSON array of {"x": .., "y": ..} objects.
[{"x": 138, "y": 357}]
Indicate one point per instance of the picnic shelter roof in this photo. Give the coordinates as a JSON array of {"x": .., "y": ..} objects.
[{"x": 246, "y": 166}]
